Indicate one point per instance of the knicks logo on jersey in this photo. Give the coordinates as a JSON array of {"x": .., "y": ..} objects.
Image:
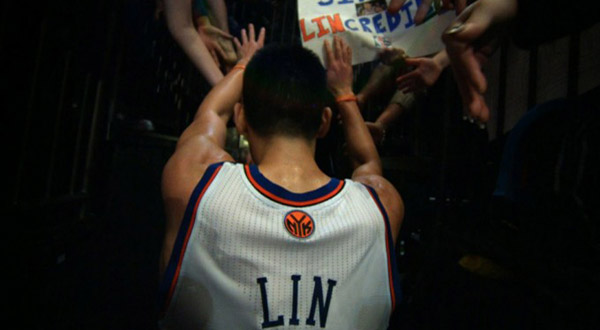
[{"x": 299, "y": 223}]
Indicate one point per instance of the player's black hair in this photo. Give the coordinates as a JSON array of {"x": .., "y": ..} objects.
[{"x": 285, "y": 91}]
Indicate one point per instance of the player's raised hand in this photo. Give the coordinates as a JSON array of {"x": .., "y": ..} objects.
[
  {"x": 458, "y": 5},
  {"x": 339, "y": 66},
  {"x": 250, "y": 43}
]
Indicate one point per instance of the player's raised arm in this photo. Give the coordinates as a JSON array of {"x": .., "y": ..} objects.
[
  {"x": 362, "y": 150},
  {"x": 203, "y": 141},
  {"x": 216, "y": 109},
  {"x": 360, "y": 146}
]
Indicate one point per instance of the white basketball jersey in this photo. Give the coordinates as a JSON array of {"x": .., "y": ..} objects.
[{"x": 252, "y": 255}]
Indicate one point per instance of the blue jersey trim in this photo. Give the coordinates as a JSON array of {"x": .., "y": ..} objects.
[
  {"x": 178, "y": 248},
  {"x": 396, "y": 284},
  {"x": 282, "y": 195}
]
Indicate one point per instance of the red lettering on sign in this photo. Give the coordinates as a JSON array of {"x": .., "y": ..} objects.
[
  {"x": 305, "y": 37},
  {"x": 322, "y": 30},
  {"x": 335, "y": 23}
]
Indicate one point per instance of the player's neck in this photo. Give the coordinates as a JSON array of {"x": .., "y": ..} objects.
[{"x": 289, "y": 162}]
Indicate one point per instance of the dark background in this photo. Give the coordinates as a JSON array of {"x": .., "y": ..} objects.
[{"x": 83, "y": 204}]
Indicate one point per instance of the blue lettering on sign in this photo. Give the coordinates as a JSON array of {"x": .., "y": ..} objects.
[
  {"x": 376, "y": 23},
  {"x": 364, "y": 22},
  {"x": 393, "y": 20},
  {"x": 340, "y": 2},
  {"x": 347, "y": 24},
  {"x": 406, "y": 8},
  {"x": 379, "y": 28}
]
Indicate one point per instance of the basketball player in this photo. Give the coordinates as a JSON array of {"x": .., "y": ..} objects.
[{"x": 278, "y": 244}]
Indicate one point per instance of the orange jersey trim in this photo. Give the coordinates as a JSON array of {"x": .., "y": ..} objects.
[
  {"x": 187, "y": 238},
  {"x": 265, "y": 192}
]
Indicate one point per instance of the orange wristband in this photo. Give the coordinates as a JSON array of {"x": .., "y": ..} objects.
[
  {"x": 345, "y": 98},
  {"x": 239, "y": 66}
]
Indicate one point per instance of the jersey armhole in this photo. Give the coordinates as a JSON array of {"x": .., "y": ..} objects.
[
  {"x": 170, "y": 277},
  {"x": 394, "y": 276}
]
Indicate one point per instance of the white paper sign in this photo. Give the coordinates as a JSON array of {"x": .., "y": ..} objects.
[{"x": 368, "y": 27}]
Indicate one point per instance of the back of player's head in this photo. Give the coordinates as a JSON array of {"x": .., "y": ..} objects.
[{"x": 285, "y": 91}]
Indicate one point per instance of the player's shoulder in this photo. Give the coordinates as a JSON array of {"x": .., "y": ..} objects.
[
  {"x": 375, "y": 181},
  {"x": 379, "y": 187},
  {"x": 385, "y": 194},
  {"x": 185, "y": 169}
]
